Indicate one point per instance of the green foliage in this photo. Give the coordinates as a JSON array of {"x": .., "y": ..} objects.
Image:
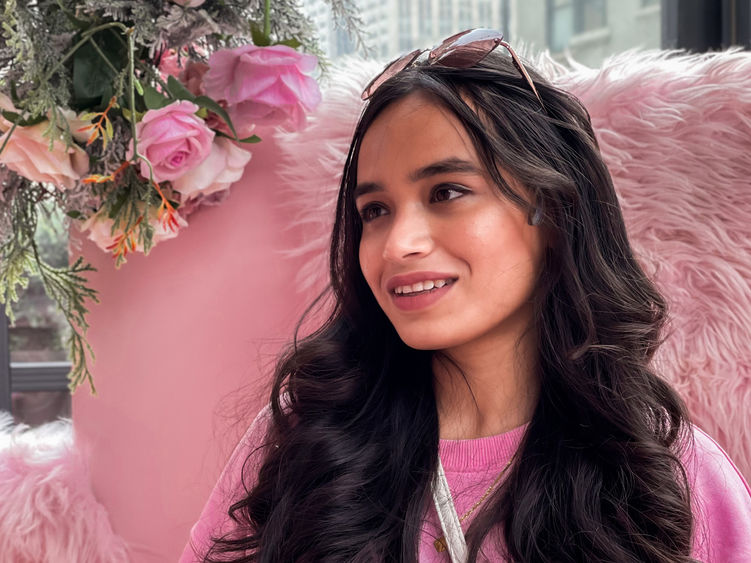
[
  {"x": 17, "y": 262},
  {"x": 153, "y": 99},
  {"x": 259, "y": 36},
  {"x": 132, "y": 199},
  {"x": 16, "y": 118},
  {"x": 67, "y": 287},
  {"x": 16, "y": 254},
  {"x": 21, "y": 258},
  {"x": 100, "y": 67}
]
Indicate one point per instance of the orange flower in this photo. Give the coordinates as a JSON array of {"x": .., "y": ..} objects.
[{"x": 97, "y": 128}]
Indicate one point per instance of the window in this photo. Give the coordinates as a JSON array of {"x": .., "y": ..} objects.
[
  {"x": 343, "y": 44},
  {"x": 465, "y": 15},
  {"x": 589, "y": 14},
  {"x": 445, "y": 22},
  {"x": 570, "y": 17},
  {"x": 425, "y": 18},
  {"x": 33, "y": 354},
  {"x": 405, "y": 26},
  {"x": 550, "y": 24},
  {"x": 484, "y": 13}
]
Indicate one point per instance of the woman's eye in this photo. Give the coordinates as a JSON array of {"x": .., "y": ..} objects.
[
  {"x": 446, "y": 192},
  {"x": 370, "y": 212}
]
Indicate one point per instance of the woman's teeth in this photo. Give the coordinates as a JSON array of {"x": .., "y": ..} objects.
[{"x": 426, "y": 285}]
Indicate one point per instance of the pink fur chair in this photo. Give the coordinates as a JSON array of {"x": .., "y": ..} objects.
[
  {"x": 675, "y": 131},
  {"x": 48, "y": 513}
]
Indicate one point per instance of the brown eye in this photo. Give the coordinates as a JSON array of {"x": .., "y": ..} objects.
[
  {"x": 370, "y": 212},
  {"x": 445, "y": 192}
]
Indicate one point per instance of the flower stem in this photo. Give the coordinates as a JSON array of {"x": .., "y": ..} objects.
[
  {"x": 101, "y": 54},
  {"x": 7, "y": 137},
  {"x": 132, "y": 76},
  {"x": 267, "y": 18}
]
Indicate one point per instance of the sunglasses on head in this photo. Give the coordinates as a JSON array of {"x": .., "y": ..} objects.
[{"x": 462, "y": 50}]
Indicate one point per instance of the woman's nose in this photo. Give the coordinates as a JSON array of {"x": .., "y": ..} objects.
[{"x": 409, "y": 236}]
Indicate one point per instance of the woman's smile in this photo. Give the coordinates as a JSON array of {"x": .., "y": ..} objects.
[{"x": 418, "y": 290}]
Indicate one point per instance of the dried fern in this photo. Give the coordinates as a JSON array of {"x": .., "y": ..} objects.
[{"x": 20, "y": 259}]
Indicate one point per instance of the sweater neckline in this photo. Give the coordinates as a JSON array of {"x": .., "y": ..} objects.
[{"x": 480, "y": 454}]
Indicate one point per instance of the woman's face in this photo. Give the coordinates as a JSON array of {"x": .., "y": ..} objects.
[{"x": 449, "y": 260}]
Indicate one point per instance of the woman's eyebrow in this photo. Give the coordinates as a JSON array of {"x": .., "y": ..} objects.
[
  {"x": 447, "y": 165},
  {"x": 444, "y": 166}
]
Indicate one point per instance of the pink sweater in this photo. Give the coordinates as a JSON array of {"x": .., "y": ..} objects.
[{"x": 721, "y": 501}]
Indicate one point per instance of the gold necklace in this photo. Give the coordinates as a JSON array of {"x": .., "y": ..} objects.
[{"x": 440, "y": 543}]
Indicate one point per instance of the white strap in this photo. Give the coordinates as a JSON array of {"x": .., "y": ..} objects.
[{"x": 452, "y": 528}]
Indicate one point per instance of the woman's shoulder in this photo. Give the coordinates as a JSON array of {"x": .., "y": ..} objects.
[
  {"x": 236, "y": 477},
  {"x": 249, "y": 449},
  {"x": 721, "y": 501}
]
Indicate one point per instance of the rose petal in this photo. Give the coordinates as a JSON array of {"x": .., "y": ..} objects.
[
  {"x": 275, "y": 55},
  {"x": 262, "y": 78},
  {"x": 304, "y": 88},
  {"x": 224, "y": 166}
]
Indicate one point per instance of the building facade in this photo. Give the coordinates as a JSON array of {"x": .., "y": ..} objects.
[{"x": 587, "y": 30}]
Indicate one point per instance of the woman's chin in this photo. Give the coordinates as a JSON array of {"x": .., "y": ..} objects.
[{"x": 426, "y": 341}]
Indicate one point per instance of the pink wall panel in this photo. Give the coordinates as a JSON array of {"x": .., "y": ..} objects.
[{"x": 185, "y": 340}]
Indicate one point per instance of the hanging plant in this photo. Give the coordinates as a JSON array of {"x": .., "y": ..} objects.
[{"x": 129, "y": 116}]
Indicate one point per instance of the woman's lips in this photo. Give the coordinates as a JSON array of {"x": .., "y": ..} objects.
[{"x": 421, "y": 299}]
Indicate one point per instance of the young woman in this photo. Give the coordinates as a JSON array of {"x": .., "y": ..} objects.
[{"x": 482, "y": 390}]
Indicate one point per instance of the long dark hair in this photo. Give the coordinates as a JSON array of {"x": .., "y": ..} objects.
[{"x": 352, "y": 443}]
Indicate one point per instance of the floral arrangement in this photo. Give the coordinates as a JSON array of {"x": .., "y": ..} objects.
[{"x": 130, "y": 115}]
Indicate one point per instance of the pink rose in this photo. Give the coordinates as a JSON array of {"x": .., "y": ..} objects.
[
  {"x": 223, "y": 167},
  {"x": 264, "y": 85},
  {"x": 189, "y": 3},
  {"x": 168, "y": 64},
  {"x": 28, "y": 153},
  {"x": 192, "y": 77},
  {"x": 211, "y": 200},
  {"x": 174, "y": 139},
  {"x": 100, "y": 230}
]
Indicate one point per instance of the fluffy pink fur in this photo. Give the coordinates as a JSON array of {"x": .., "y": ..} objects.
[
  {"x": 48, "y": 513},
  {"x": 675, "y": 131}
]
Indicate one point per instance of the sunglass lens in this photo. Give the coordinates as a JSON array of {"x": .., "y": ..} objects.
[
  {"x": 393, "y": 68},
  {"x": 445, "y": 45},
  {"x": 468, "y": 54},
  {"x": 477, "y": 35}
]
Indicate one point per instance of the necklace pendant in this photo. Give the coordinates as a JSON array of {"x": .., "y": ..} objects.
[{"x": 440, "y": 544}]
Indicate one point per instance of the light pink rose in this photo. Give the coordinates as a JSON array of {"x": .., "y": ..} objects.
[
  {"x": 189, "y": 3},
  {"x": 100, "y": 230},
  {"x": 223, "y": 167},
  {"x": 28, "y": 154},
  {"x": 264, "y": 85},
  {"x": 174, "y": 139},
  {"x": 74, "y": 124}
]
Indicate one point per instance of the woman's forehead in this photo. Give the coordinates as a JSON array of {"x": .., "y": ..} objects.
[{"x": 412, "y": 132}]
